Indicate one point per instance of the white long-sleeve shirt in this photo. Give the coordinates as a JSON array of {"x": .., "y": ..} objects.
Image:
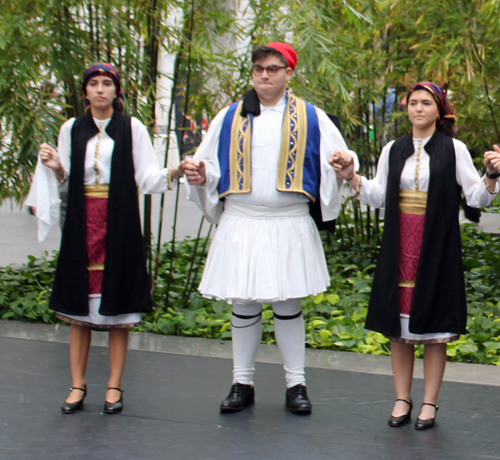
[
  {"x": 148, "y": 175},
  {"x": 265, "y": 147},
  {"x": 372, "y": 192}
]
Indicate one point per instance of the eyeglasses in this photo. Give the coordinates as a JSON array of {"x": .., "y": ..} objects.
[{"x": 271, "y": 70}]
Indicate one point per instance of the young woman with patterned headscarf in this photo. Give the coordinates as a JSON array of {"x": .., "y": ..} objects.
[
  {"x": 418, "y": 293},
  {"x": 101, "y": 281}
]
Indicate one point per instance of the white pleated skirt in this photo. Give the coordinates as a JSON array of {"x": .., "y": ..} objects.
[{"x": 265, "y": 255}]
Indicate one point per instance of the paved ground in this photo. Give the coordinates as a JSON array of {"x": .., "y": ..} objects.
[{"x": 174, "y": 386}]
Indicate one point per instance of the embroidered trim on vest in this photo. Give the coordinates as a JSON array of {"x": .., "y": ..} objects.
[
  {"x": 239, "y": 154},
  {"x": 293, "y": 147}
]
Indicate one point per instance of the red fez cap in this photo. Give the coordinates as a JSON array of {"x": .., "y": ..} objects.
[{"x": 287, "y": 51}]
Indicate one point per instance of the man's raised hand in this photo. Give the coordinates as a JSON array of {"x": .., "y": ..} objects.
[{"x": 195, "y": 172}]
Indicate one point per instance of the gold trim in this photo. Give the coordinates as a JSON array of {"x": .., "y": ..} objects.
[
  {"x": 239, "y": 154},
  {"x": 227, "y": 192},
  {"x": 308, "y": 195},
  {"x": 300, "y": 154},
  {"x": 358, "y": 186},
  {"x": 295, "y": 117},
  {"x": 412, "y": 202},
  {"x": 247, "y": 162},
  {"x": 169, "y": 179},
  {"x": 97, "y": 191},
  {"x": 95, "y": 267},
  {"x": 488, "y": 187},
  {"x": 406, "y": 283},
  {"x": 284, "y": 148}
]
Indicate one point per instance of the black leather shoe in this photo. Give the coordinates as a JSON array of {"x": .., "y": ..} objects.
[
  {"x": 429, "y": 423},
  {"x": 297, "y": 400},
  {"x": 71, "y": 408},
  {"x": 238, "y": 398},
  {"x": 403, "y": 419},
  {"x": 116, "y": 407}
]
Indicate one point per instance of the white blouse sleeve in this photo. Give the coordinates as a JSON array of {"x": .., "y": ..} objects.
[
  {"x": 330, "y": 186},
  {"x": 148, "y": 175},
  {"x": 473, "y": 186},
  {"x": 206, "y": 196},
  {"x": 64, "y": 144},
  {"x": 372, "y": 192}
]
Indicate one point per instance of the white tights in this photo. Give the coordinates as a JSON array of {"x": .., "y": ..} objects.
[{"x": 289, "y": 333}]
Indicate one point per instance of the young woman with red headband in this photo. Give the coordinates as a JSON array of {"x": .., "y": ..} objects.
[
  {"x": 418, "y": 293},
  {"x": 101, "y": 281}
]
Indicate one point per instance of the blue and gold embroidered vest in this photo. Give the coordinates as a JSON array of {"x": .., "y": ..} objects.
[{"x": 299, "y": 160}]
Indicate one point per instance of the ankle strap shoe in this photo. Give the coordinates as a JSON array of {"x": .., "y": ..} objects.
[
  {"x": 116, "y": 407},
  {"x": 428, "y": 423},
  {"x": 71, "y": 408},
  {"x": 402, "y": 420}
]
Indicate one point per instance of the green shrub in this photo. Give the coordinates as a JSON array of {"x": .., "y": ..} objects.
[{"x": 334, "y": 319}]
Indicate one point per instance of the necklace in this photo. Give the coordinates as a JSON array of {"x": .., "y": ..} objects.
[
  {"x": 96, "y": 152},
  {"x": 417, "y": 166}
]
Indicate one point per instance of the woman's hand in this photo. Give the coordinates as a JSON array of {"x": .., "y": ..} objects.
[
  {"x": 196, "y": 173},
  {"x": 176, "y": 172},
  {"x": 492, "y": 160},
  {"x": 50, "y": 158},
  {"x": 343, "y": 163}
]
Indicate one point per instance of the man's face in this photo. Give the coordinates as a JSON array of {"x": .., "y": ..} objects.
[{"x": 271, "y": 88}]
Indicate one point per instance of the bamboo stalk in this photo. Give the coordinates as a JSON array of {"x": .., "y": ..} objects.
[
  {"x": 188, "y": 278},
  {"x": 181, "y": 149},
  {"x": 167, "y": 148},
  {"x": 150, "y": 86},
  {"x": 172, "y": 253},
  {"x": 368, "y": 224},
  {"x": 97, "y": 41},
  {"x": 165, "y": 164},
  {"x": 91, "y": 29},
  {"x": 202, "y": 256},
  {"x": 491, "y": 109},
  {"x": 109, "y": 36}
]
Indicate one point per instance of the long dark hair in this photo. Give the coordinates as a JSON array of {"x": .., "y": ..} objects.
[
  {"x": 118, "y": 104},
  {"x": 447, "y": 127}
]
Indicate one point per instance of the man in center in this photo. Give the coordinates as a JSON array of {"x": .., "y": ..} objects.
[{"x": 262, "y": 162}]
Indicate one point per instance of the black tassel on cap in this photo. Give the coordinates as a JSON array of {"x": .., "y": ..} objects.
[{"x": 251, "y": 104}]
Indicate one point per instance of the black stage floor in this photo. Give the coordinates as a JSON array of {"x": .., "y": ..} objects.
[{"x": 171, "y": 412}]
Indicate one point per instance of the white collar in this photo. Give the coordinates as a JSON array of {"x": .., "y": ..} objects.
[
  {"x": 101, "y": 124},
  {"x": 276, "y": 108},
  {"x": 423, "y": 141}
]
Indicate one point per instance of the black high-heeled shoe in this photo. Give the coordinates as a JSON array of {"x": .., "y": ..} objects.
[
  {"x": 116, "y": 407},
  {"x": 71, "y": 408},
  {"x": 428, "y": 423},
  {"x": 396, "y": 422}
]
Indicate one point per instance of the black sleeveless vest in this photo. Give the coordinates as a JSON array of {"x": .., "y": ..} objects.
[
  {"x": 125, "y": 285},
  {"x": 439, "y": 303}
]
